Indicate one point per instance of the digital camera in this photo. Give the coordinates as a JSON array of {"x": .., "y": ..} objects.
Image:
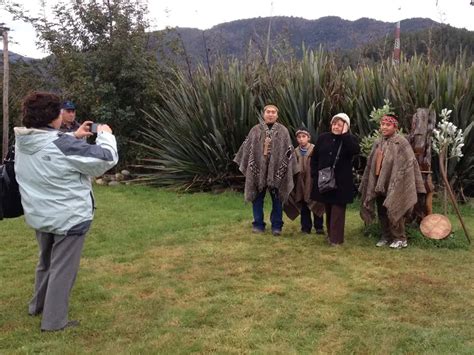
[{"x": 94, "y": 127}]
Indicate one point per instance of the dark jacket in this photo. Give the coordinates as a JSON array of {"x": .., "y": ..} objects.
[
  {"x": 325, "y": 153},
  {"x": 72, "y": 128}
]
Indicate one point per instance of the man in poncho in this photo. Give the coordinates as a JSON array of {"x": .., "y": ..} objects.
[
  {"x": 266, "y": 158},
  {"x": 392, "y": 181}
]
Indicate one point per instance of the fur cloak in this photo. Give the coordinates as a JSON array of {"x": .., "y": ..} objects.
[
  {"x": 399, "y": 180},
  {"x": 275, "y": 171}
]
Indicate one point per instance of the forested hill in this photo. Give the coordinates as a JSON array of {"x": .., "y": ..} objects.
[
  {"x": 364, "y": 37},
  {"x": 288, "y": 34}
]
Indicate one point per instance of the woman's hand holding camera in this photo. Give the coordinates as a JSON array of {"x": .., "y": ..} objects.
[
  {"x": 84, "y": 130},
  {"x": 89, "y": 128}
]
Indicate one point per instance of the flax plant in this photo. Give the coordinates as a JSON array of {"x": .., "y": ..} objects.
[
  {"x": 191, "y": 138},
  {"x": 308, "y": 92},
  {"x": 417, "y": 83},
  {"x": 365, "y": 87},
  {"x": 197, "y": 127}
]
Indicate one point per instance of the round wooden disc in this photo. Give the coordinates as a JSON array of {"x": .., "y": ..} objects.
[{"x": 435, "y": 226}]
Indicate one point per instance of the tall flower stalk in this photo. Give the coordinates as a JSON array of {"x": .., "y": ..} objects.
[
  {"x": 448, "y": 142},
  {"x": 448, "y": 137}
]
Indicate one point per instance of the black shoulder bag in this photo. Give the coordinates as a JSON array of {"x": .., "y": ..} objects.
[
  {"x": 10, "y": 199},
  {"x": 326, "y": 176}
]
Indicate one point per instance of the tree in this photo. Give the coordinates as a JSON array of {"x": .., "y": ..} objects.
[
  {"x": 23, "y": 77},
  {"x": 102, "y": 61}
]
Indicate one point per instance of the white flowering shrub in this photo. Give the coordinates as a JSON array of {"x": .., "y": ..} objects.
[{"x": 447, "y": 136}]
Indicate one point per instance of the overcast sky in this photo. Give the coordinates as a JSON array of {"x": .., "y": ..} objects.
[{"x": 204, "y": 14}]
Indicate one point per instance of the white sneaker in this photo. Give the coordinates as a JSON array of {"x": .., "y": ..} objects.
[
  {"x": 398, "y": 244},
  {"x": 381, "y": 243}
]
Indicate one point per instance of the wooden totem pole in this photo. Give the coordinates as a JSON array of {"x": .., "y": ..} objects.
[{"x": 423, "y": 123}]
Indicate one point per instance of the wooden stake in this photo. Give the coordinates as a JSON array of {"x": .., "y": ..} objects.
[
  {"x": 6, "y": 75},
  {"x": 442, "y": 157}
]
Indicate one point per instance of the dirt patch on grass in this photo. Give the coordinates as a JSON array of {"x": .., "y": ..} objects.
[{"x": 104, "y": 265}]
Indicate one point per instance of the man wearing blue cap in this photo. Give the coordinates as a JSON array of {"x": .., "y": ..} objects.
[{"x": 68, "y": 116}]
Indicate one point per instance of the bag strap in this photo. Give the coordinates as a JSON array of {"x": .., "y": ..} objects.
[
  {"x": 337, "y": 156},
  {"x": 10, "y": 157},
  {"x": 4, "y": 174}
]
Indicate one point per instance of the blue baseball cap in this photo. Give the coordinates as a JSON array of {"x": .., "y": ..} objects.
[{"x": 68, "y": 105}]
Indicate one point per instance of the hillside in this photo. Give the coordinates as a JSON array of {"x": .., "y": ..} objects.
[
  {"x": 247, "y": 39},
  {"x": 238, "y": 38}
]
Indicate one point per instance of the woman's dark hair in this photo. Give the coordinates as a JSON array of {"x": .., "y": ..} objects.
[{"x": 40, "y": 109}]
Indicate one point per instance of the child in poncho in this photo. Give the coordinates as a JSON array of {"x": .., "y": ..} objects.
[{"x": 304, "y": 184}]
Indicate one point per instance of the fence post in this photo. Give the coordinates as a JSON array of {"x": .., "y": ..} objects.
[{"x": 6, "y": 75}]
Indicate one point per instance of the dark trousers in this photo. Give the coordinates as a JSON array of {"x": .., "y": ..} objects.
[
  {"x": 390, "y": 231},
  {"x": 335, "y": 221},
  {"x": 58, "y": 264},
  {"x": 276, "y": 216},
  {"x": 306, "y": 222}
]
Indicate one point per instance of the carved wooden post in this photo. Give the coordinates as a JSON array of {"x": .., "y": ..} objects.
[{"x": 422, "y": 126}]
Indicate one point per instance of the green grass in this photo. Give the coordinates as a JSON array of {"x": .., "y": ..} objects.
[{"x": 168, "y": 273}]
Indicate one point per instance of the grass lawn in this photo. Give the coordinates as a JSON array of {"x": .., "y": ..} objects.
[{"x": 168, "y": 273}]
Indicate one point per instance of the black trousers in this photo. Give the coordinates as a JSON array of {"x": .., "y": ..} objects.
[{"x": 307, "y": 222}]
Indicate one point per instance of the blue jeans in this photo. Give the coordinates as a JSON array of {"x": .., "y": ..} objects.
[{"x": 276, "y": 216}]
